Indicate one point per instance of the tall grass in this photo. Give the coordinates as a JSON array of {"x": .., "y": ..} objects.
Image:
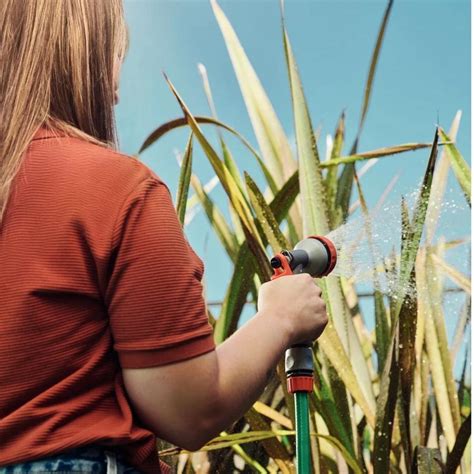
[{"x": 385, "y": 400}]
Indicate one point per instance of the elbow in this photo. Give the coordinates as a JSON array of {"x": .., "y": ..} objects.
[
  {"x": 193, "y": 445},
  {"x": 205, "y": 429},
  {"x": 200, "y": 436},
  {"x": 190, "y": 441},
  {"x": 195, "y": 433}
]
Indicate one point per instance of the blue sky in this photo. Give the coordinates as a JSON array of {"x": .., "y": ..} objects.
[{"x": 423, "y": 73}]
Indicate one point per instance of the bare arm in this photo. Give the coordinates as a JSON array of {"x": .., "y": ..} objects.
[
  {"x": 200, "y": 397},
  {"x": 189, "y": 402}
]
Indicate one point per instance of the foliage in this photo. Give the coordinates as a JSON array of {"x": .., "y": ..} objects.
[{"x": 383, "y": 401}]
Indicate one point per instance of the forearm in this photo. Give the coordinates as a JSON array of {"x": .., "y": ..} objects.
[
  {"x": 190, "y": 402},
  {"x": 244, "y": 363}
]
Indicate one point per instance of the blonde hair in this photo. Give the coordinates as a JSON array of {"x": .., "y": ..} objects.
[{"x": 57, "y": 62}]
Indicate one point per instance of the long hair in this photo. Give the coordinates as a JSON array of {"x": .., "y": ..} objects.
[{"x": 57, "y": 62}]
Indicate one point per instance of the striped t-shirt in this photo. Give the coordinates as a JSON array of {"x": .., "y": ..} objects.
[{"x": 95, "y": 275}]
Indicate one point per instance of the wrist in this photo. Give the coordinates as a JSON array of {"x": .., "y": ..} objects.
[{"x": 278, "y": 324}]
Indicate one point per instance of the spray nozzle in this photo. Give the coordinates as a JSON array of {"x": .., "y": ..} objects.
[{"x": 315, "y": 255}]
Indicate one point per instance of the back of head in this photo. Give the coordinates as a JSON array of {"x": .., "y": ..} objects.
[{"x": 58, "y": 61}]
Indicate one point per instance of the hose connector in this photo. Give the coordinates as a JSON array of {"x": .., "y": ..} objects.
[{"x": 299, "y": 368}]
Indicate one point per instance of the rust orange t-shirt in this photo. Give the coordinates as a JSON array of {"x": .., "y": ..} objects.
[{"x": 95, "y": 275}]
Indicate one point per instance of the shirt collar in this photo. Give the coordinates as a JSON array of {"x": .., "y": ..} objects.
[{"x": 44, "y": 132}]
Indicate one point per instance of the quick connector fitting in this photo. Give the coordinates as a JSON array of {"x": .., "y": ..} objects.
[{"x": 299, "y": 368}]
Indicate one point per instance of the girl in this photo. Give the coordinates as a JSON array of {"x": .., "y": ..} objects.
[{"x": 105, "y": 343}]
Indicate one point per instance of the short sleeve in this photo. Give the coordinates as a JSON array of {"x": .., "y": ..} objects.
[{"x": 154, "y": 295}]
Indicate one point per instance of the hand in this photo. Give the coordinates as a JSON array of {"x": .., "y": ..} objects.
[{"x": 294, "y": 302}]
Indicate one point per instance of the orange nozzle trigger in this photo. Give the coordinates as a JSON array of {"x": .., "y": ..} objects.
[{"x": 284, "y": 269}]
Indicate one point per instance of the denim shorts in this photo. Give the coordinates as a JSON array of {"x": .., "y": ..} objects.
[{"x": 86, "y": 460}]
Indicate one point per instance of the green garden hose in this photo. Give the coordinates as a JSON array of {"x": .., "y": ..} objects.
[{"x": 303, "y": 454}]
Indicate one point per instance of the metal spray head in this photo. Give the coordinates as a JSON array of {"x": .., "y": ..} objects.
[{"x": 315, "y": 255}]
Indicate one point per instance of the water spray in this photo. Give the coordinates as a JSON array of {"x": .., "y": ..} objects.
[{"x": 317, "y": 256}]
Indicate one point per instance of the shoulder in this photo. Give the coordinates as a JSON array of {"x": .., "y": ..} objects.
[{"x": 92, "y": 170}]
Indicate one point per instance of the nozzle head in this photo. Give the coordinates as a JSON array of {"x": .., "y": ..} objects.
[
  {"x": 331, "y": 250},
  {"x": 322, "y": 255}
]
